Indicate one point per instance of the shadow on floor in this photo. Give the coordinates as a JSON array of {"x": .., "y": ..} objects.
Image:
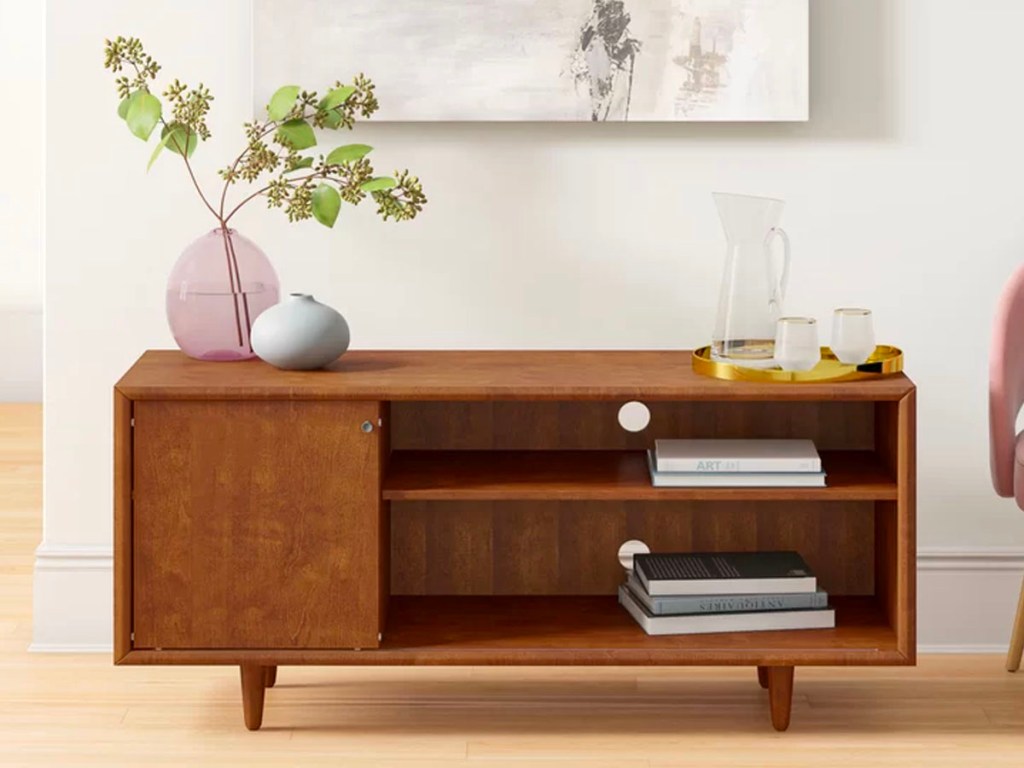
[{"x": 648, "y": 706}]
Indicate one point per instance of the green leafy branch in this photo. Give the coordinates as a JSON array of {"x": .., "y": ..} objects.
[{"x": 302, "y": 185}]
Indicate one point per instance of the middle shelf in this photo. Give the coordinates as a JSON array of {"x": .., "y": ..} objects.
[{"x": 603, "y": 476}]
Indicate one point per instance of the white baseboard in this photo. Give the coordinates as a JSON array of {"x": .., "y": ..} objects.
[
  {"x": 965, "y": 599},
  {"x": 21, "y": 354},
  {"x": 72, "y": 600},
  {"x": 105, "y": 648}
]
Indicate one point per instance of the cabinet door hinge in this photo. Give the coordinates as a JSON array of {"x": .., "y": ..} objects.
[
  {"x": 132, "y": 422},
  {"x": 132, "y": 637}
]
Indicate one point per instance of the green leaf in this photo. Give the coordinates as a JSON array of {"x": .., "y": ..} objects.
[
  {"x": 282, "y": 101},
  {"x": 302, "y": 162},
  {"x": 158, "y": 150},
  {"x": 332, "y": 119},
  {"x": 337, "y": 97},
  {"x": 326, "y": 204},
  {"x": 174, "y": 137},
  {"x": 297, "y": 134},
  {"x": 122, "y": 108},
  {"x": 378, "y": 184},
  {"x": 348, "y": 153},
  {"x": 143, "y": 114}
]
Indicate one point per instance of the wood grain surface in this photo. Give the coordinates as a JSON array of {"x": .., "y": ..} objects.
[
  {"x": 780, "y": 695},
  {"x": 123, "y": 482},
  {"x": 71, "y": 710},
  {"x": 567, "y": 630},
  {"x": 603, "y": 475},
  {"x": 254, "y": 687},
  {"x": 476, "y": 375},
  {"x": 552, "y": 548},
  {"x": 256, "y": 525},
  {"x": 522, "y": 573},
  {"x": 594, "y": 425}
]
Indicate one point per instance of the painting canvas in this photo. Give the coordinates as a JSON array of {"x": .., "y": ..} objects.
[{"x": 594, "y": 60}]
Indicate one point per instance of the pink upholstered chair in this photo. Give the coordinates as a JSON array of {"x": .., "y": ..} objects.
[{"x": 1006, "y": 395}]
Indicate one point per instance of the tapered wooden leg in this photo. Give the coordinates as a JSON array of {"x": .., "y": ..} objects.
[
  {"x": 762, "y": 676},
  {"x": 254, "y": 680},
  {"x": 1017, "y": 639},
  {"x": 780, "y": 695},
  {"x": 271, "y": 677}
]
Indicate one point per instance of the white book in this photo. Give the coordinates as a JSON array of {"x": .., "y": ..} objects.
[
  {"x": 660, "y": 479},
  {"x": 700, "y": 624},
  {"x": 737, "y": 456}
]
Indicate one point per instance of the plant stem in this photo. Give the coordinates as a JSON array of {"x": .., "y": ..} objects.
[
  {"x": 183, "y": 151},
  {"x": 234, "y": 210},
  {"x": 232, "y": 276},
  {"x": 258, "y": 192},
  {"x": 195, "y": 183},
  {"x": 241, "y": 290},
  {"x": 267, "y": 128}
]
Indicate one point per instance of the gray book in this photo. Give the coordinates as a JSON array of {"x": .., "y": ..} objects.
[
  {"x": 824, "y": 618},
  {"x": 694, "y": 604}
]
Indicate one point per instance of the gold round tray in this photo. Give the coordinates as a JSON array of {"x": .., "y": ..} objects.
[{"x": 884, "y": 360}]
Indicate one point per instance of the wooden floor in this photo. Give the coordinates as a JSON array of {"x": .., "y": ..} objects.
[{"x": 80, "y": 710}]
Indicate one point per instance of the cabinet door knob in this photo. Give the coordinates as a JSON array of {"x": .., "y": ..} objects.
[{"x": 367, "y": 426}]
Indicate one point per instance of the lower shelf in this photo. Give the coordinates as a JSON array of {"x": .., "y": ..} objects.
[
  {"x": 596, "y": 630},
  {"x": 573, "y": 631}
]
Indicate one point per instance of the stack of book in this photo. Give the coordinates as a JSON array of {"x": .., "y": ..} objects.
[
  {"x": 735, "y": 463},
  {"x": 698, "y": 593}
]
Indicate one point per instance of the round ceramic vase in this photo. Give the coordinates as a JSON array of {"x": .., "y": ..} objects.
[{"x": 300, "y": 334}]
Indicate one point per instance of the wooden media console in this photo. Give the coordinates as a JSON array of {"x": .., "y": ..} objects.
[{"x": 467, "y": 507}]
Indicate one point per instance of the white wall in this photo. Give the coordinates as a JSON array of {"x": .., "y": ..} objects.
[
  {"x": 21, "y": 200},
  {"x": 903, "y": 195}
]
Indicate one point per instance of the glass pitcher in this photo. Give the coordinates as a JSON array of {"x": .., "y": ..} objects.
[{"x": 750, "y": 300}]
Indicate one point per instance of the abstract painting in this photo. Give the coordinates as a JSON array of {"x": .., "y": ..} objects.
[{"x": 593, "y": 60}]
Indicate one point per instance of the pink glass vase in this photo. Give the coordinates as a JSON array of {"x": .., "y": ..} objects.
[{"x": 218, "y": 287}]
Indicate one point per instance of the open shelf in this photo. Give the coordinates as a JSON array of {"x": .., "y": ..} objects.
[
  {"x": 602, "y": 475},
  {"x": 596, "y": 630},
  {"x": 572, "y": 630},
  {"x": 477, "y": 522}
]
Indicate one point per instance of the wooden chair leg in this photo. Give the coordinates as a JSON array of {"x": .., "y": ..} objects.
[
  {"x": 762, "y": 677},
  {"x": 1017, "y": 639},
  {"x": 780, "y": 695},
  {"x": 271, "y": 677},
  {"x": 254, "y": 679}
]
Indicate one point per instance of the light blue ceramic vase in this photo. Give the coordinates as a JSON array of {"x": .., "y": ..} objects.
[{"x": 300, "y": 334}]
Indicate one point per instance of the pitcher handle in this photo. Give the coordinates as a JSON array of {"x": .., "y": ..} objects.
[{"x": 779, "y": 288}]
